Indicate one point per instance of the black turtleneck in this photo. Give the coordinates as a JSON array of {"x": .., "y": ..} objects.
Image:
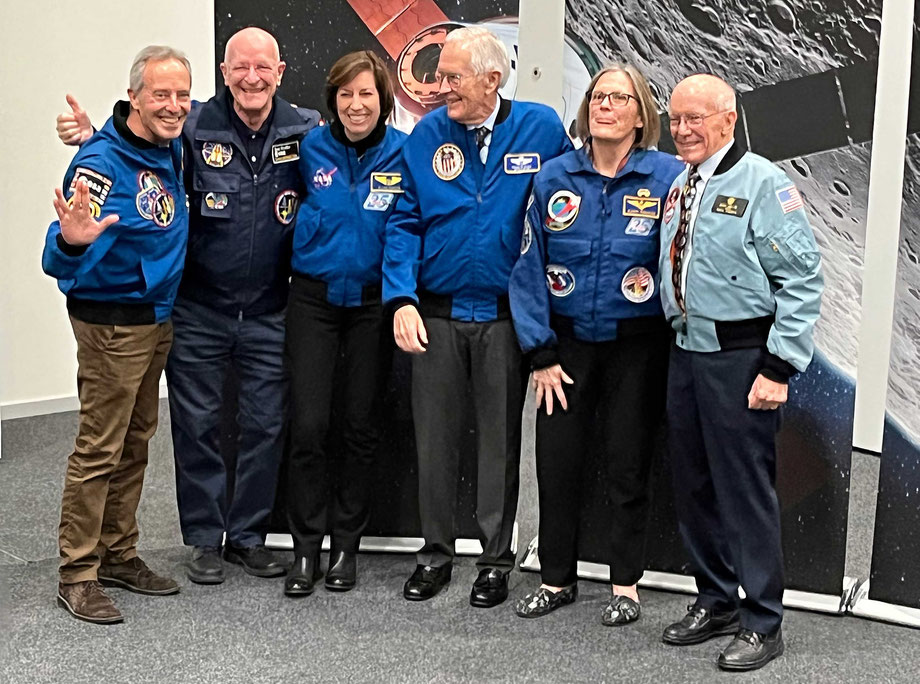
[
  {"x": 364, "y": 144},
  {"x": 120, "y": 120}
]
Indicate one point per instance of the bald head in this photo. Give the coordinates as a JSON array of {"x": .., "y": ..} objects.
[
  {"x": 252, "y": 70},
  {"x": 252, "y": 38},
  {"x": 703, "y": 115}
]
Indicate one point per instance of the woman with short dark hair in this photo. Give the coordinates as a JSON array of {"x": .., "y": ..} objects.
[{"x": 336, "y": 341}]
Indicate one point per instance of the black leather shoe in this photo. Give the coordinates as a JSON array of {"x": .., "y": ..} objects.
[
  {"x": 342, "y": 572},
  {"x": 543, "y": 601},
  {"x": 620, "y": 610},
  {"x": 700, "y": 624},
  {"x": 426, "y": 582},
  {"x": 301, "y": 578},
  {"x": 751, "y": 650},
  {"x": 256, "y": 560},
  {"x": 489, "y": 589},
  {"x": 205, "y": 566}
]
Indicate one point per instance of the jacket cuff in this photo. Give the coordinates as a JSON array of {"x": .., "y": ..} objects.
[
  {"x": 776, "y": 369},
  {"x": 397, "y": 303},
  {"x": 69, "y": 249},
  {"x": 544, "y": 357}
]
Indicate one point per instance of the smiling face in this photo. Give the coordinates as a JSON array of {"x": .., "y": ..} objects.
[
  {"x": 708, "y": 101},
  {"x": 606, "y": 121},
  {"x": 472, "y": 100},
  {"x": 357, "y": 105},
  {"x": 252, "y": 71},
  {"x": 162, "y": 104}
]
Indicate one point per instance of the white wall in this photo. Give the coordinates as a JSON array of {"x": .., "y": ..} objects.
[{"x": 48, "y": 49}]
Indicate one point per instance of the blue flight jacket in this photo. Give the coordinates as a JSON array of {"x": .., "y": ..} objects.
[
  {"x": 339, "y": 234},
  {"x": 589, "y": 251},
  {"x": 241, "y": 212},
  {"x": 752, "y": 256},
  {"x": 138, "y": 260},
  {"x": 456, "y": 231}
]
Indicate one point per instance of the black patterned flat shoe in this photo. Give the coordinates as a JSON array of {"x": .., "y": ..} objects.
[
  {"x": 543, "y": 601},
  {"x": 621, "y": 610}
]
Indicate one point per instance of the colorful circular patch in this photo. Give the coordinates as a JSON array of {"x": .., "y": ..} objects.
[
  {"x": 638, "y": 285},
  {"x": 562, "y": 210},
  {"x": 447, "y": 162},
  {"x": 217, "y": 155},
  {"x": 216, "y": 200},
  {"x": 559, "y": 280},
  {"x": 286, "y": 206}
]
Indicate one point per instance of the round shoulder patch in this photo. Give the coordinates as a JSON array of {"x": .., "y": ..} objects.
[
  {"x": 671, "y": 204},
  {"x": 638, "y": 285},
  {"x": 286, "y": 206},
  {"x": 559, "y": 280},
  {"x": 527, "y": 237},
  {"x": 447, "y": 162},
  {"x": 562, "y": 210}
]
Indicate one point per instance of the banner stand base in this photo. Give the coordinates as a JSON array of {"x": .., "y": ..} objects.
[
  {"x": 462, "y": 547},
  {"x": 863, "y": 606},
  {"x": 667, "y": 581}
]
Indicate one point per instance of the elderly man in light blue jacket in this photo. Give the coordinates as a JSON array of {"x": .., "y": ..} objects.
[{"x": 741, "y": 285}]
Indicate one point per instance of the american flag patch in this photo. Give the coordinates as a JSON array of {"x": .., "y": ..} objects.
[{"x": 789, "y": 199}]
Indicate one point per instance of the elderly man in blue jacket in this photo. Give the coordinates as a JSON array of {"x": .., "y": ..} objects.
[
  {"x": 741, "y": 285},
  {"x": 117, "y": 251},
  {"x": 451, "y": 243}
]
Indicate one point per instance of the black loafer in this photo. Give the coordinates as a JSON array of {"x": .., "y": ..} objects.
[
  {"x": 699, "y": 624},
  {"x": 205, "y": 566},
  {"x": 426, "y": 582},
  {"x": 342, "y": 572},
  {"x": 751, "y": 650},
  {"x": 256, "y": 560},
  {"x": 620, "y": 610},
  {"x": 490, "y": 588},
  {"x": 301, "y": 578},
  {"x": 544, "y": 601}
]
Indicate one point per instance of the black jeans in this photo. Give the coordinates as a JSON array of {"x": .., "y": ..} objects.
[
  {"x": 318, "y": 334},
  {"x": 618, "y": 397}
]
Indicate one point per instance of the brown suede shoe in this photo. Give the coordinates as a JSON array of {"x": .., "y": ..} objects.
[
  {"x": 134, "y": 575},
  {"x": 87, "y": 601}
]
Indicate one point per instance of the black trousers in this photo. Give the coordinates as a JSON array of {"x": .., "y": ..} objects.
[
  {"x": 724, "y": 465},
  {"x": 317, "y": 333},
  {"x": 617, "y": 398},
  {"x": 486, "y": 358}
]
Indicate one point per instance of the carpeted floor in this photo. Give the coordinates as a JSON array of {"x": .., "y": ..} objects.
[{"x": 246, "y": 631}]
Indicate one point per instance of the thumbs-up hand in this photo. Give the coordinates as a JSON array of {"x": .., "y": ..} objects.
[{"x": 74, "y": 127}]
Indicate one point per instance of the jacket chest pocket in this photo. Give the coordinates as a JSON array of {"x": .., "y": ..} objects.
[{"x": 219, "y": 193}]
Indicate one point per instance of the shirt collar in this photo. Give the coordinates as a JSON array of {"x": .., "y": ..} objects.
[
  {"x": 490, "y": 122},
  {"x": 708, "y": 168}
]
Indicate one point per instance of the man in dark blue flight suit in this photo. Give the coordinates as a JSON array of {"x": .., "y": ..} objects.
[{"x": 244, "y": 186}]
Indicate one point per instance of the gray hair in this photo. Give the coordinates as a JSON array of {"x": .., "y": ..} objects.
[
  {"x": 487, "y": 52},
  {"x": 154, "y": 53}
]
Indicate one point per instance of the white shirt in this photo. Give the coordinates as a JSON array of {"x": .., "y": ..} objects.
[
  {"x": 490, "y": 124},
  {"x": 706, "y": 170}
]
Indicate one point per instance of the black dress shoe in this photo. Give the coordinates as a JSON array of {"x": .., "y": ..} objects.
[
  {"x": 342, "y": 572},
  {"x": 301, "y": 578},
  {"x": 426, "y": 582},
  {"x": 489, "y": 589},
  {"x": 751, "y": 650},
  {"x": 205, "y": 566},
  {"x": 544, "y": 601},
  {"x": 620, "y": 610},
  {"x": 256, "y": 560},
  {"x": 699, "y": 624}
]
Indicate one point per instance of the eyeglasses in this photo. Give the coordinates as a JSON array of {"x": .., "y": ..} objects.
[
  {"x": 692, "y": 120},
  {"x": 453, "y": 80},
  {"x": 615, "y": 99}
]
